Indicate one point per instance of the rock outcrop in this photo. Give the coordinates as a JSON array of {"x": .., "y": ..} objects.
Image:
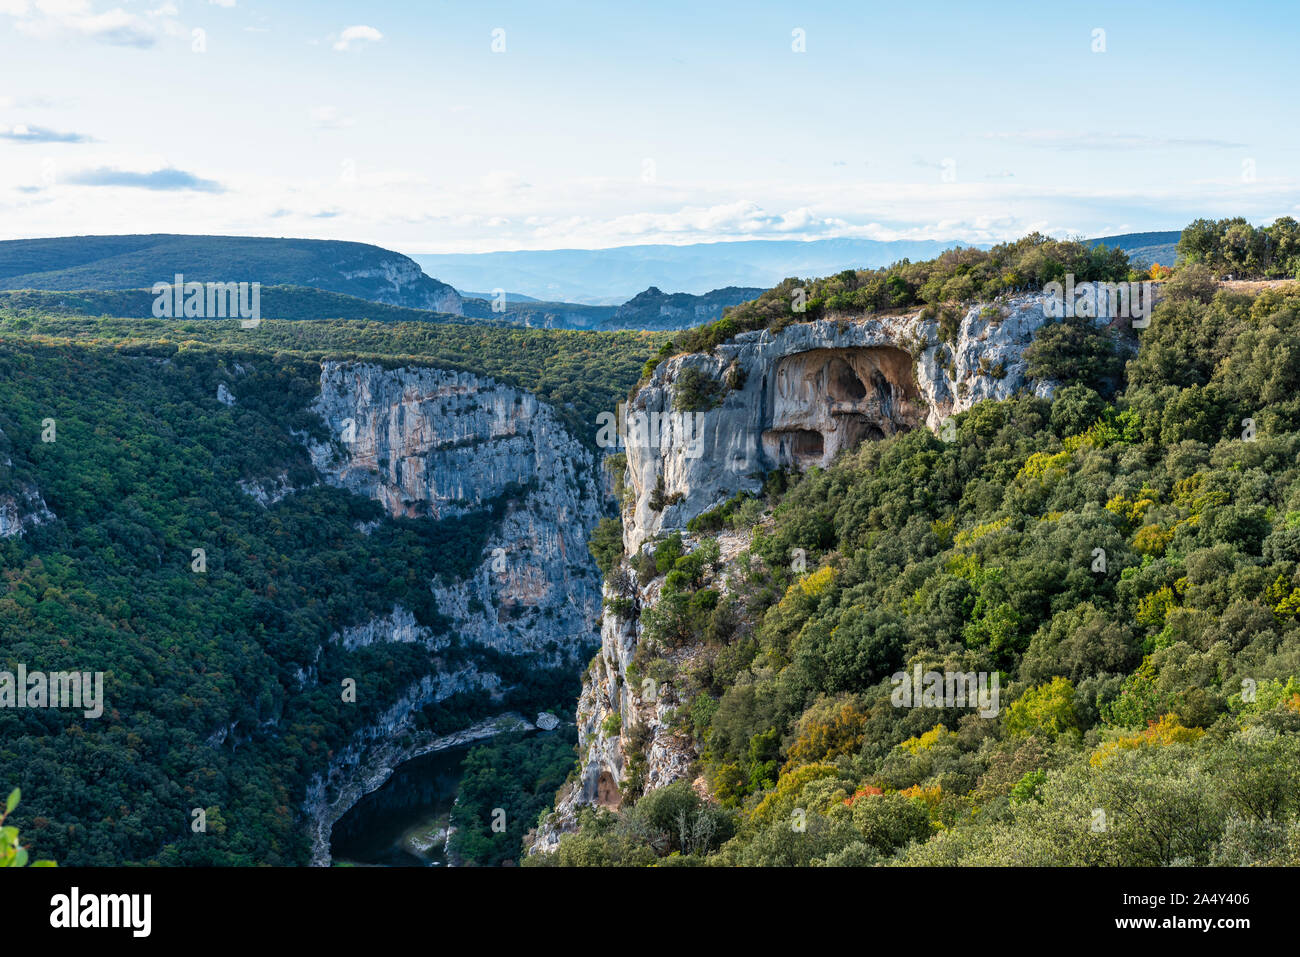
[
  {"x": 431, "y": 442},
  {"x": 806, "y": 393},
  {"x": 398, "y": 281},
  {"x": 795, "y": 398},
  {"x": 427, "y": 442},
  {"x": 21, "y": 504}
]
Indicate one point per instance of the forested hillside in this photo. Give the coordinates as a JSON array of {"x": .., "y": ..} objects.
[
  {"x": 139, "y": 261},
  {"x": 581, "y": 373},
  {"x": 206, "y": 702},
  {"x": 1124, "y": 556},
  {"x": 277, "y": 302}
]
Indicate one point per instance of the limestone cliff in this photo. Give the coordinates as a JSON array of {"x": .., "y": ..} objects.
[
  {"x": 812, "y": 390},
  {"x": 794, "y": 398},
  {"x": 437, "y": 443},
  {"x": 21, "y": 503},
  {"x": 432, "y": 442},
  {"x": 398, "y": 281}
]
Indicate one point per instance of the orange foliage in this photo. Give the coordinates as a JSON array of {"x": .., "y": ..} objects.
[{"x": 868, "y": 791}]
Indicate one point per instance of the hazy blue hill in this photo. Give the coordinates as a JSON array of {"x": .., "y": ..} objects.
[
  {"x": 612, "y": 276},
  {"x": 536, "y": 314},
  {"x": 278, "y": 302},
  {"x": 655, "y": 309},
  {"x": 1157, "y": 247},
  {"x": 510, "y": 296},
  {"x": 133, "y": 262}
]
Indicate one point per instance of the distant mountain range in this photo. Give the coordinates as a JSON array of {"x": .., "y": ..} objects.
[
  {"x": 137, "y": 262},
  {"x": 318, "y": 279},
  {"x": 612, "y": 276},
  {"x": 1150, "y": 248},
  {"x": 651, "y": 309}
]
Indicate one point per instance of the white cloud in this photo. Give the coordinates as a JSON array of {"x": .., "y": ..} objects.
[
  {"x": 356, "y": 34},
  {"x": 1071, "y": 141},
  {"x": 329, "y": 118},
  {"x": 47, "y": 19}
]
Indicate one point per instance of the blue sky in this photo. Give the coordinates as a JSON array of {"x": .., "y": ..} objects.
[{"x": 602, "y": 125}]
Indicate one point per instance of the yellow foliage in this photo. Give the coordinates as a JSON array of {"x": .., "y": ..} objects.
[
  {"x": 970, "y": 535},
  {"x": 1153, "y": 608},
  {"x": 936, "y": 735},
  {"x": 1130, "y": 509},
  {"x": 1157, "y": 734},
  {"x": 1285, "y": 603},
  {"x": 1042, "y": 466},
  {"x": 1152, "y": 539},
  {"x": 787, "y": 788},
  {"x": 815, "y": 583},
  {"x": 942, "y": 528},
  {"x": 931, "y": 795},
  {"x": 1073, "y": 443},
  {"x": 822, "y": 737}
]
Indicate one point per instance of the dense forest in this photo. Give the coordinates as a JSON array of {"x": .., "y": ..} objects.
[
  {"x": 580, "y": 373},
  {"x": 145, "y": 466},
  {"x": 1124, "y": 557},
  {"x": 276, "y": 302},
  {"x": 1234, "y": 248}
]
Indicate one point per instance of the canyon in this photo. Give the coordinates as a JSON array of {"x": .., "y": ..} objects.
[{"x": 428, "y": 442}]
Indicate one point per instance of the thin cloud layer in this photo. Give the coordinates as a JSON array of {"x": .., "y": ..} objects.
[
  {"x": 158, "y": 180},
  {"x": 39, "y": 134}
]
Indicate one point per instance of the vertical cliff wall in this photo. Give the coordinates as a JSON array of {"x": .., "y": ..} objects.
[
  {"x": 791, "y": 399},
  {"x": 21, "y": 503},
  {"x": 436, "y": 443}
]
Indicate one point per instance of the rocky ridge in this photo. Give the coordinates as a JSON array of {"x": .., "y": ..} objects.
[{"x": 793, "y": 398}]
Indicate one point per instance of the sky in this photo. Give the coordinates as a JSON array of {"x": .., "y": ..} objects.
[{"x": 477, "y": 126}]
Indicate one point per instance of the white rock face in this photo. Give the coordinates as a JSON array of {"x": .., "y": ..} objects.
[
  {"x": 397, "y": 626},
  {"x": 21, "y": 503},
  {"x": 401, "y": 282},
  {"x": 269, "y": 491},
  {"x": 431, "y": 442},
  {"x": 807, "y": 393},
  {"x": 436, "y": 443},
  {"x": 812, "y": 390}
]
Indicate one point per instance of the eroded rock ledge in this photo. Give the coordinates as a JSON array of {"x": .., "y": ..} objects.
[{"x": 796, "y": 398}]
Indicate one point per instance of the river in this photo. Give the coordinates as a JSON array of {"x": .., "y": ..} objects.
[{"x": 403, "y": 823}]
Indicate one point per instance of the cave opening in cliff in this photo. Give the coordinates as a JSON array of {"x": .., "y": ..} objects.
[
  {"x": 607, "y": 792},
  {"x": 827, "y": 400},
  {"x": 843, "y": 384},
  {"x": 800, "y": 447}
]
